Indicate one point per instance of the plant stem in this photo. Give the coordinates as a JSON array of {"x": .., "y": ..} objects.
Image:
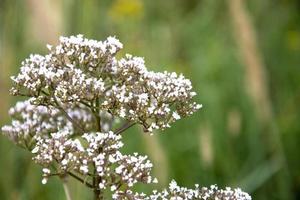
[
  {"x": 97, "y": 194},
  {"x": 66, "y": 188},
  {"x": 81, "y": 180},
  {"x": 124, "y": 127},
  {"x": 97, "y": 179},
  {"x": 68, "y": 116}
]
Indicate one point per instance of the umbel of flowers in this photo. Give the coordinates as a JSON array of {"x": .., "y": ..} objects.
[{"x": 81, "y": 99}]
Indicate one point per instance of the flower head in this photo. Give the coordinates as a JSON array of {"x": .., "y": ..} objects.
[{"x": 77, "y": 93}]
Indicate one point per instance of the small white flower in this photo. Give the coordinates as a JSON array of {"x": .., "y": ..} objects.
[
  {"x": 84, "y": 169},
  {"x": 46, "y": 171},
  {"x": 113, "y": 188},
  {"x": 49, "y": 46},
  {"x": 35, "y": 150},
  {"x": 44, "y": 181},
  {"x": 176, "y": 116}
]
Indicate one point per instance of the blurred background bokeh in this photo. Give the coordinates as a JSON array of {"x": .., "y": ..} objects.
[{"x": 243, "y": 58}]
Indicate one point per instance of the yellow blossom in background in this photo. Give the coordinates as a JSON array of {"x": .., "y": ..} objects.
[
  {"x": 126, "y": 9},
  {"x": 293, "y": 40}
]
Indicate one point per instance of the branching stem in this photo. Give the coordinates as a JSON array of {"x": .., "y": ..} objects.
[
  {"x": 97, "y": 179},
  {"x": 68, "y": 116},
  {"x": 124, "y": 127},
  {"x": 81, "y": 180}
]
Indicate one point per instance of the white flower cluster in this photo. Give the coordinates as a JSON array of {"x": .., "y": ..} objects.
[
  {"x": 175, "y": 192},
  {"x": 135, "y": 168},
  {"x": 77, "y": 93},
  {"x": 100, "y": 150},
  {"x": 83, "y": 70},
  {"x": 57, "y": 149},
  {"x": 153, "y": 99},
  {"x": 31, "y": 121}
]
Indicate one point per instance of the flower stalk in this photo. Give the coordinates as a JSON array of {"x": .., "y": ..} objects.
[{"x": 66, "y": 188}]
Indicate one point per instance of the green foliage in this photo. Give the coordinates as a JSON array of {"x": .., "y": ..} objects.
[{"x": 225, "y": 142}]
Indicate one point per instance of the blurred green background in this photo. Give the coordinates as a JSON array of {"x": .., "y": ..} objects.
[{"x": 243, "y": 58}]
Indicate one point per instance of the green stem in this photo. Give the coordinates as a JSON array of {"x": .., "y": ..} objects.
[
  {"x": 97, "y": 179},
  {"x": 67, "y": 115},
  {"x": 66, "y": 188},
  {"x": 81, "y": 180},
  {"x": 124, "y": 127}
]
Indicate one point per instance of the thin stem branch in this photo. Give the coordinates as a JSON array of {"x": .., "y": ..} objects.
[
  {"x": 97, "y": 179},
  {"x": 124, "y": 127},
  {"x": 97, "y": 115},
  {"x": 86, "y": 104},
  {"x": 67, "y": 115},
  {"x": 66, "y": 188},
  {"x": 81, "y": 180}
]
